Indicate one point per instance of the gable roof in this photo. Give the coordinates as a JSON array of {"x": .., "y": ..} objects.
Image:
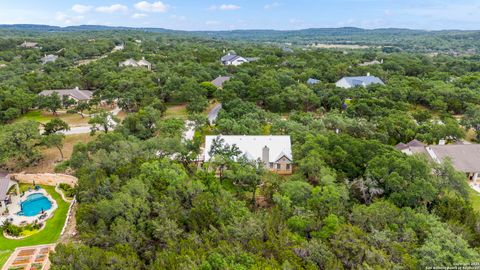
[
  {"x": 465, "y": 157},
  {"x": 218, "y": 82},
  {"x": 229, "y": 57},
  {"x": 252, "y": 146},
  {"x": 363, "y": 80},
  {"x": 49, "y": 58},
  {"x": 80, "y": 95}
]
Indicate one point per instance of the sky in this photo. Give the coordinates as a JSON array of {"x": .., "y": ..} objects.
[{"x": 247, "y": 14}]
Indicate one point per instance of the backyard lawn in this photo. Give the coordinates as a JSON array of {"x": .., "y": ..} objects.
[
  {"x": 176, "y": 111},
  {"x": 475, "y": 198},
  {"x": 44, "y": 116},
  {"x": 48, "y": 235}
]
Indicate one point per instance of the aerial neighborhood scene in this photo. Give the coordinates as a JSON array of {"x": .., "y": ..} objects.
[{"x": 239, "y": 134}]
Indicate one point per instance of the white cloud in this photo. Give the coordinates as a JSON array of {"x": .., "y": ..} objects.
[
  {"x": 77, "y": 8},
  {"x": 151, "y": 7},
  {"x": 112, "y": 9},
  {"x": 139, "y": 15},
  {"x": 65, "y": 19},
  {"x": 272, "y": 5},
  {"x": 224, "y": 7}
]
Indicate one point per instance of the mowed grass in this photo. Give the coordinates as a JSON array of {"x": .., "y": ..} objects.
[
  {"x": 4, "y": 256},
  {"x": 177, "y": 111},
  {"x": 475, "y": 199},
  {"x": 48, "y": 235},
  {"x": 44, "y": 117}
]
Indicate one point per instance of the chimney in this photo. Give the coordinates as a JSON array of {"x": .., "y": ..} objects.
[
  {"x": 381, "y": 61},
  {"x": 143, "y": 57},
  {"x": 266, "y": 155},
  {"x": 368, "y": 74},
  {"x": 76, "y": 87}
]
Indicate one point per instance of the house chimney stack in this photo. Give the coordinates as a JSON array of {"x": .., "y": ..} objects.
[
  {"x": 266, "y": 155},
  {"x": 76, "y": 87},
  {"x": 368, "y": 74}
]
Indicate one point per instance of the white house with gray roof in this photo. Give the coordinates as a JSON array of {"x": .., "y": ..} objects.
[
  {"x": 75, "y": 94},
  {"x": 49, "y": 59},
  {"x": 274, "y": 151},
  {"x": 232, "y": 59},
  {"x": 362, "y": 81}
]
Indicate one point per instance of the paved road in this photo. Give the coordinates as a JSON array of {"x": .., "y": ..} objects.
[
  {"x": 213, "y": 114},
  {"x": 86, "y": 128}
]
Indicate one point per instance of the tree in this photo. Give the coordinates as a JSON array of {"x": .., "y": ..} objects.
[
  {"x": 54, "y": 140},
  {"x": 54, "y": 126},
  {"x": 81, "y": 107},
  {"x": 50, "y": 102},
  {"x": 472, "y": 120},
  {"x": 104, "y": 121},
  {"x": 19, "y": 144}
]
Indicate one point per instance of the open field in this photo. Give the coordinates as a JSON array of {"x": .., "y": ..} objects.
[
  {"x": 49, "y": 234},
  {"x": 43, "y": 117},
  {"x": 177, "y": 111},
  {"x": 51, "y": 155}
]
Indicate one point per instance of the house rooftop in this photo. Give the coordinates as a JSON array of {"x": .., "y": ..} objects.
[
  {"x": 76, "y": 93},
  {"x": 465, "y": 157},
  {"x": 363, "y": 80},
  {"x": 252, "y": 146},
  {"x": 313, "y": 81}
]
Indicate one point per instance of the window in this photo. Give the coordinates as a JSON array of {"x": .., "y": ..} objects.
[
  {"x": 288, "y": 167},
  {"x": 271, "y": 165},
  {"x": 279, "y": 166}
]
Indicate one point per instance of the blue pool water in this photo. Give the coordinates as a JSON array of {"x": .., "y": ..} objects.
[{"x": 34, "y": 204}]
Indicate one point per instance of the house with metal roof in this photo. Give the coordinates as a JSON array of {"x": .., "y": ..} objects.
[
  {"x": 232, "y": 59},
  {"x": 49, "y": 59},
  {"x": 220, "y": 80},
  {"x": 275, "y": 152},
  {"x": 361, "y": 81},
  {"x": 29, "y": 45},
  {"x": 75, "y": 94}
]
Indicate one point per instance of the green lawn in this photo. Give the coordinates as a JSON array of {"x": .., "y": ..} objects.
[
  {"x": 35, "y": 116},
  {"x": 48, "y": 235},
  {"x": 475, "y": 199}
]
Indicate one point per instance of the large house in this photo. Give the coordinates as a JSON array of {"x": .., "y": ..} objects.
[
  {"x": 363, "y": 81},
  {"x": 29, "y": 45},
  {"x": 49, "y": 58},
  {"x": 274, "y": 151},
  {"x": 231, "y": 59},
  {"x": 465, "y": 157},
  {"x": 371, "y": 63},
  {"x": 220, "y": 80},
  {"x": 132, "y": 63},
  {"x": 75, "y": 94}
]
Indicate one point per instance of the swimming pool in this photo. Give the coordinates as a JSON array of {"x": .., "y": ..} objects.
[{"x": 34, "y": 204}]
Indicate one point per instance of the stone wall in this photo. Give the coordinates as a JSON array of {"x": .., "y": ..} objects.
[{"x": 48, "y": 179}]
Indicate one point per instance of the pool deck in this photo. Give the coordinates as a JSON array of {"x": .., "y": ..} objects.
[{"x": 14, "y": 208}]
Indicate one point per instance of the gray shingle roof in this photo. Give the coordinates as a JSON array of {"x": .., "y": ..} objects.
[
  {"x": 229, "y": 57},
  {"x": 80, "y": 95},
  {"x": 49, "y": 58},
  {"x": 313, "y": 81},
  {"x": 218, "y": 82},
  {"x": 465, "y": 158},
  {"x": 363, "y": 81}
]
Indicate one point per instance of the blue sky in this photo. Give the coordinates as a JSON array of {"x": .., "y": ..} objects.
[{"x": 246, "y": 14}]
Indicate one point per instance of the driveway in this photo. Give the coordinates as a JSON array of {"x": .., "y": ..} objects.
[{"x": 213, "y": 114}]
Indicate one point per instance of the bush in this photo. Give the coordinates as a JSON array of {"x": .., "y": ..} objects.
[{"x": 67, "y": 190}]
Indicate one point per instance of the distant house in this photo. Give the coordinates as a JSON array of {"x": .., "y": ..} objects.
[
  {"x": 49, "y": 59},
  {"x": 313, "y": 81},
  {"x": 371, "y": 63},
  {"x": 465, "y": 157},
  {"x": 132, "y": 63},
  {"x": 275, "y": 152},
  {"x": 29, "y": 45},
  {"x": 220, "y": 80},
  {"x": 363, "y": 81},
  {"x": 118, "y": 48},
  {"x": 232, "y": 59},
  {"x": 2, "y": 65},
  {"x": 287, "y": 50},
  {"x": 75, "y": 94}
]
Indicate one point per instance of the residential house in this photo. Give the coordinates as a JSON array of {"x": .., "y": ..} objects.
[
  {"x": 29, "y": 45},
  {"x": 75, "y": 94},
  {"x": 464, "y": 157},
  {"x": 362, "y": 81},
  {"x": 220, "y": 80},
  {"x": 313, "y": 81},
  {"x": 49, "y": 59},
  {"x": 231, "y": 59},
  {"x": 132, "y": 63},
  {"x": 275, "y": 152},
  {"x": 118, "y": 48},
  {"x": 371, "y": 63}
]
